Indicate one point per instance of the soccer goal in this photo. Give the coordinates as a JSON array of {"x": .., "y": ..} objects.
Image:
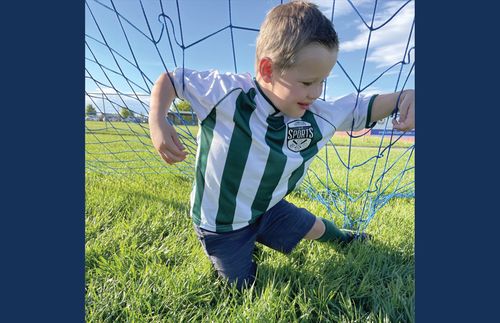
[{"x": 129, "y": 43}]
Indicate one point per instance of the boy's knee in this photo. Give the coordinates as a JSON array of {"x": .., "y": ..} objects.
[
  {"x": 242, "y": 278},
  {"x": 316, "y": 231}
]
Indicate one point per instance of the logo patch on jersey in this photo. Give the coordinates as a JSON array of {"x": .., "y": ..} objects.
[{"x": 299, "y": 135}]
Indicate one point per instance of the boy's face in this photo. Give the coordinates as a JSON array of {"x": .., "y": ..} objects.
[{"x": 296, "y": 89}]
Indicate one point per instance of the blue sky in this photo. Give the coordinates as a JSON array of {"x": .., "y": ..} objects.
[{"x": 135, "y": 61}]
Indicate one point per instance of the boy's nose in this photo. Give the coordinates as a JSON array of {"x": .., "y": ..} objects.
[{"x": 315, "y": 92}]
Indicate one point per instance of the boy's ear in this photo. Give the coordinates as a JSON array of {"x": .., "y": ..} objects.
[{"x": 266, "y": 69}]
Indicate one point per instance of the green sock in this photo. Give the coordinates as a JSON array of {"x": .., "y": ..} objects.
[{"x": 332, "y": 233}]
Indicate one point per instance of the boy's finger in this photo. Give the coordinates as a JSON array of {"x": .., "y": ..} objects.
[
  {"x": 171, "y": 158},
  {"x": 404, "y": 106},
  {"x": 173, "y": 148},
  {"x": 176, "y": 154},
  {"x": 166, "y": 158},
  {"x": 402, "y": 126},
  {"x": 177, "y": 142},
  {"x": 408, "y": 106},
  {"x": 403, "y": 112},
  {"x": 170, "y": 153}
]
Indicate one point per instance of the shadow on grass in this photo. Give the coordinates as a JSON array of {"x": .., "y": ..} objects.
[{"x": 365, "y": 280}]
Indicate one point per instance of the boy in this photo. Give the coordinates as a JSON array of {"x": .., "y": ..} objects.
[{"x": 258, "y": 136}]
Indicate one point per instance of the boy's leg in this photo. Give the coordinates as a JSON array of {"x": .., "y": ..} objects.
[
  {"x": 324, "y": 230},
  {"x": 284, "y": 225},
  {"x": 231, "y": 254}
]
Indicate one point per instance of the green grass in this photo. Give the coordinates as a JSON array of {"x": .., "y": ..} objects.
[{"x": 145, "y": 264}]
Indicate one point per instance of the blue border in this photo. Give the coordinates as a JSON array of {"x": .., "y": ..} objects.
[
  {"x": 43, "y": 162},
  {"x": 456, "y": 214},
  {"x": 43, "y": 183}
]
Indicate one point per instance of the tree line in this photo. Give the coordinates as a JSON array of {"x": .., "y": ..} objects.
[{"x": 125, "y": 112}]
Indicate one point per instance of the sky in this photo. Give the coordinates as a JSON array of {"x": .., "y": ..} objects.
[{"x": 129, "y": 43}]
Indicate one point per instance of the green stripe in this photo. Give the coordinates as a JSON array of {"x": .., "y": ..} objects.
[
  {"x": 306, "y": 154},
  {"x": 275, "y": 165},
  {"x": 239, "y": 147},
  {"x": 206, "y": 133},
  {"x": 369, "y": 113}
]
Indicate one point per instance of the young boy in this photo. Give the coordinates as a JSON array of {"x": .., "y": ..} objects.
[{"x": 258, "y": 136}]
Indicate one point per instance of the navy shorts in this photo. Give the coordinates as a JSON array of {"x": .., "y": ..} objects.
[{"x": 280, "y": 228}]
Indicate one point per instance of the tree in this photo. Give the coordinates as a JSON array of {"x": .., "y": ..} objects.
[
  {"x": 90, "y": 110},
  {"x": 183, "y": 105},
  {"x": 125, "y": 113}
]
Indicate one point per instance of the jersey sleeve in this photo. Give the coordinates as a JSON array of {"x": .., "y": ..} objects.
[
  {"x": 352, "y": 112},
  {"x": 203, "y": 89}
]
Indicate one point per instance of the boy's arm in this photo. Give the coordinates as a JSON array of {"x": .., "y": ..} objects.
[
  {"x": 384, "y": 105},
  {"x": 163, "y": 135}
]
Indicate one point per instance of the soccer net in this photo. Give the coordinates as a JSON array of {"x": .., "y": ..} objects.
[{"x": 129, "y": 43}]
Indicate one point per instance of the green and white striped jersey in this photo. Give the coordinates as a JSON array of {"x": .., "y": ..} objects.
[{"x": 249, "y": 154}]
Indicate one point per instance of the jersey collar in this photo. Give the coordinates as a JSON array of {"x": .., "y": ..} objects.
[{"x": 273, "y": 111}]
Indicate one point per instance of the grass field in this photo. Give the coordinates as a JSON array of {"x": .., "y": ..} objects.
[{"x": 145, "y": 264}]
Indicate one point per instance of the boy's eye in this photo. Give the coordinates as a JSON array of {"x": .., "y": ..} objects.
[{"x": 311, "y": 83}]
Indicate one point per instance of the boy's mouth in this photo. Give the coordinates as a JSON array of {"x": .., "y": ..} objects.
[{"x": 304, "y": 106}]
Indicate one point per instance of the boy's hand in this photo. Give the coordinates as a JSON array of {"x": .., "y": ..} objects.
[
  {"x": 163, "y": 135},
  {"x": 165, "y": 140},
  {"x": 406, "y": 120}
]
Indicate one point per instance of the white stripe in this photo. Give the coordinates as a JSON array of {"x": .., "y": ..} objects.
[
  {"x": 203, "y": 219},
  {"x": 216, "y": 159},
  {"x": 254, "y": 170},
  {"x": 306, "y": 167}
]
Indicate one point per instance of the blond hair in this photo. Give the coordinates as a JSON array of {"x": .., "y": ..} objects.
[{"x": 290, "y": 27}]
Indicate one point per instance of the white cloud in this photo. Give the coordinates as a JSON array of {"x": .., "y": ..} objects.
[
  {"x": 342, "y": 7},
  {"x": 371, "y": 90},
  {"x": 388, "y": 43},
  {"x": 106, "y": 90}
]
